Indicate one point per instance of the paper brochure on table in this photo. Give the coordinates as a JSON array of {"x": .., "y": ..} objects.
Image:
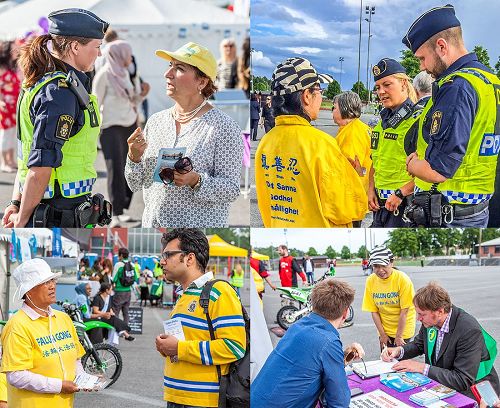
[
  {"x": 86, "y": 381},
  {"x": 376, "y": 399},
  {"x": 373, "y": 368},
  {"x": 440, "y": 404}
]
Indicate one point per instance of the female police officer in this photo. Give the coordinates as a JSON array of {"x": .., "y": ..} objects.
[
  {"x": 58, "y": 123},
  {"x": 389, "y": 183}
]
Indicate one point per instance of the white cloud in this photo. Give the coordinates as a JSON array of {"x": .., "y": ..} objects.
[
  {"x": 259, "y": 60},
  {"x": 303, "y": 50},
  {"x": 310, "y": 28},
  {"x": 335, "y": 70}
]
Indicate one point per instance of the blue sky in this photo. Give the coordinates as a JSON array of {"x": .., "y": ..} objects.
[
  {"x": 319, "y": 238},
  {"x": 324, "y": 30}
]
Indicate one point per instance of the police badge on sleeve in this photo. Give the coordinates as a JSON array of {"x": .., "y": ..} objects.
[
  {"x": 436, "y": 122},
  {"x": 64, "y": 125}
]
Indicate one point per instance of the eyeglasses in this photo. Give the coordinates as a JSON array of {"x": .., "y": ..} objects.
[
  {"x": 183, "y": 165},
  {"x": 167, "y": 254},
  {"x": 228, "y": 45},
  {"x": 50, "y": 282},
  {"x": 318, "y": 89},
  {"x": 350, "y": 356}
]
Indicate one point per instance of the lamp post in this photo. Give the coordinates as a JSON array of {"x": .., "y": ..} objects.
[
  {"x": 341, "y": 60},
  {"x": 252, "y": 50},
  {"x": 359, "y": 43},
  {"x": 370, "y": 10}
]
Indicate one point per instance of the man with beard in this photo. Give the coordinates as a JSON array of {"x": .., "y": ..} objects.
[
  {"x": 458, "y": 352},
  {"x": 458, "y": 137}
]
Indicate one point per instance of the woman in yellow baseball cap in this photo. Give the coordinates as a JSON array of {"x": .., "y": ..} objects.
[{"x": 188, "y": 159}]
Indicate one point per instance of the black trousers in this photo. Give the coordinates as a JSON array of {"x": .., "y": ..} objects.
[
  {"x": 254, "y": 126},
  {"x": 114, "y": 146}
]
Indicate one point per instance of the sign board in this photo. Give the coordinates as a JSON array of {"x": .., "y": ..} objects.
[{"x": 135, "y": 320}]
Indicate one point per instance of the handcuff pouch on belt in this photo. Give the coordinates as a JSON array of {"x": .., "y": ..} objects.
[
  {"x": 93, "y": 211},
  {"x": 429, "y": 209}
]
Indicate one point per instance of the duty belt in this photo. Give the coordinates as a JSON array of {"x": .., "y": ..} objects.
[{"x": 464, "y": 210}]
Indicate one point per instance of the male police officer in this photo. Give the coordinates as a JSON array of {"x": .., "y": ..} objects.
[{"x": 458, "y": 137}]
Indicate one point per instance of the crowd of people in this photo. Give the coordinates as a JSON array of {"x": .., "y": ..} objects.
[
  {"x": 459, "y": 353},
  {"x": 430, "y": 161}
]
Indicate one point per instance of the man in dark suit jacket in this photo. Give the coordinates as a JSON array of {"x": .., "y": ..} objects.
[{"x": 458, "y": 347}]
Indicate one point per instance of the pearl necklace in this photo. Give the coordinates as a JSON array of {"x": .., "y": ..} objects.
[{"x": 187, "y": 116}]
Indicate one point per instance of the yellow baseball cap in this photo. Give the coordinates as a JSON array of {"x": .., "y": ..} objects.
[{"x": 195, "y": 55}]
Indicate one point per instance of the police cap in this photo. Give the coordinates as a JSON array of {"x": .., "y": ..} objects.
[
  {"x": 386, "y": 67},
  {"x": 428, "y": 24},
  {"x": 77, "y": 22}
]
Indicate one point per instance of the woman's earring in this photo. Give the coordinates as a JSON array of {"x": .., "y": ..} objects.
[{"x": 199, "y": 90}]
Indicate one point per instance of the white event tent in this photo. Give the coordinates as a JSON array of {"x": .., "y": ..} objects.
[{"x": 147, "y": 24}]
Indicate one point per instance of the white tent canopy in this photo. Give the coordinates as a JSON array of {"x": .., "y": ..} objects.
[{"x": 147, "y": 24}]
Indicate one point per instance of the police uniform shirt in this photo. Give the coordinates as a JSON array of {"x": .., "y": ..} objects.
[
  {"x": 386, "y": 113},
  {"x": 458, "y": 102},
  {"x": 54, "y": 100}
]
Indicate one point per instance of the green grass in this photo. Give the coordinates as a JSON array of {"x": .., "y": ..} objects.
[{"x": 326, "y": 105}]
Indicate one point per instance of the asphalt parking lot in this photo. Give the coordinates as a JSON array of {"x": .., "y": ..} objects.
[{"x": 474, "y": 289}]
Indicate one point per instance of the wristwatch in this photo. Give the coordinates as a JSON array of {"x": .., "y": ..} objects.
[
  {"x": 398, "y": 193},
  {"x": 197, "y": 186},
  {"x": 15, "y": 203}
]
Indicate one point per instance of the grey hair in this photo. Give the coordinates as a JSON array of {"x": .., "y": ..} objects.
[
  {"x": 423, "y": 83},
  {"x": 349, "y": 104}
]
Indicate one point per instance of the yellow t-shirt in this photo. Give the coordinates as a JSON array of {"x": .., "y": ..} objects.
[
  {"x": 354, "y": 139},
  {"x": 27, "y": 345},
  {"x": 303, "y": 180},
  {"x": 3, "y": 387},
  {"x": 388, "y": 297}
]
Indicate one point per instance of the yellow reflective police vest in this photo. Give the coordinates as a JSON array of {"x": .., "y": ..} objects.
[
  {"x": 77, "y": 174},
  {"x": 389, "y": 156},
  {"x": 237, "y": 279},
  {"x": 474, "y": 180}
]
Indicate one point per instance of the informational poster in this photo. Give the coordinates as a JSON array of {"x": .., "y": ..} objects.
[
  {"x": 135, "y": 320},
  {"x": 376, "y": 399}
]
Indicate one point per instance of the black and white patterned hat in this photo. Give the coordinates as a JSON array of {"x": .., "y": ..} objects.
[
  {"x": 381, "y": 255},
  {"x": 296, "y": 74}
]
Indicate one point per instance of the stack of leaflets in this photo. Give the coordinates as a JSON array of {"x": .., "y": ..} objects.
[
  {"x": 404, "y": 381},
  {"x": 432, "y": 395}
]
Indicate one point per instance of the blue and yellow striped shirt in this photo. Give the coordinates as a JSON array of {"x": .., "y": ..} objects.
[{"x": 193, "y": 380}]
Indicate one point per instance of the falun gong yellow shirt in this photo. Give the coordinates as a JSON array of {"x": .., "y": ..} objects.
[
  {"x": 388, "y": 297},
  {"x": 354, "y": 139},
  {"x": 303, "y": 180},
  {"x": 3, "y": 387},
  {"x": 27, "y": 345}
]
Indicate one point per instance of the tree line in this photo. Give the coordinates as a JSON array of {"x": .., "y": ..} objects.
[
  {"x": 408, "y": 60},
  {"x": 407, "y": 243}
]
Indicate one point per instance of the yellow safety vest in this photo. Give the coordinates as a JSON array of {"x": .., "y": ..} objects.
[
  {"x": 474, "y": 180},
  {"x": 389, "y": 156},
  {"x": 77, "y": 174}
]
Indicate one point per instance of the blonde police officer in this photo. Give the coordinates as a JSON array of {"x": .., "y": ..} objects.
[
  {"x": 459, "y": 130},
  {"x": 389, "y": 183},
  {"x": 58, "y": 123}
]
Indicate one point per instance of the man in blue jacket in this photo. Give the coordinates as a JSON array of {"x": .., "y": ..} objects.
[{"x": 294, "y": 375}]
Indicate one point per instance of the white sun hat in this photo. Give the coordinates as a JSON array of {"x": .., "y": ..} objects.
[{"x": 32, "y": 273}]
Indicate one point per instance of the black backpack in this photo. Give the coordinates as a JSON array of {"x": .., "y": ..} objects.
[
  {"x": 127, "y": 277},
  {"x": 234, "y": 390}
]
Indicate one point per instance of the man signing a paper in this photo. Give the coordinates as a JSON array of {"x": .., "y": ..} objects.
[{"x": 458, "y": 352}]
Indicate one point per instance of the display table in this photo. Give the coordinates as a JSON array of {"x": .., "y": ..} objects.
[{"x": 371, "y": 384}]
